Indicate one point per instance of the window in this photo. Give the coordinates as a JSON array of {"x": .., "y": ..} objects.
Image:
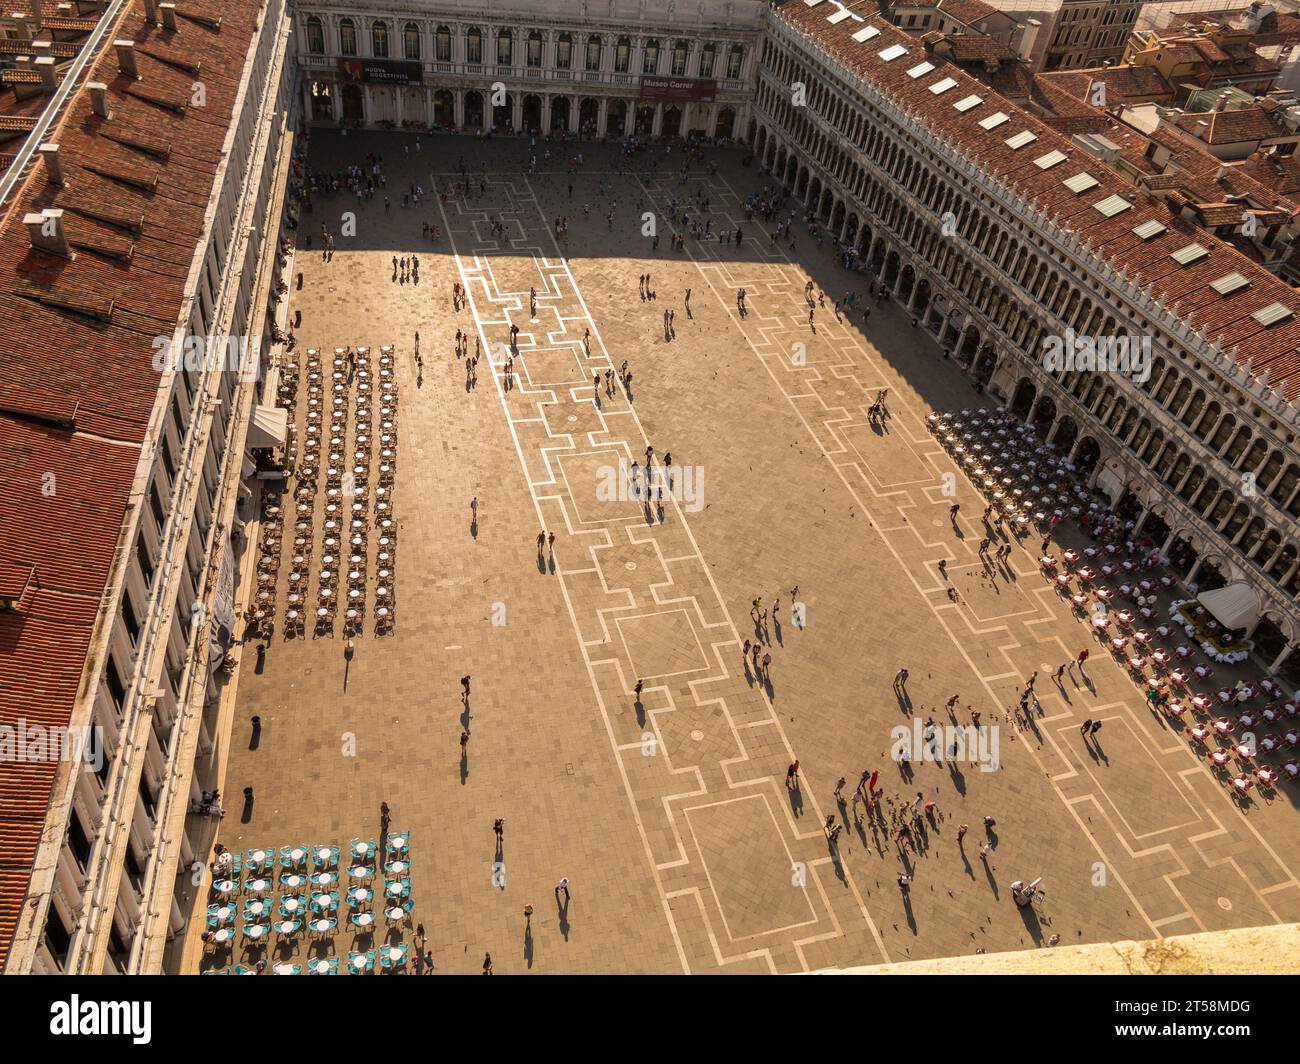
[
  {"x": 622, "y": 55},
  {"x": 347, "y": 37},
  {"x": 155, "y": 504},
  {"x": 650, "y": 60},
  {"x": 564, "y": 51},
  {"x": 593, "y": 53},
  {"x": 78, "y": 842},
  {"x": 474, "y": 46},
  {"x": 379, "y": 40},
  {"x": 679, "y": 59},
  {"x": 534, "y": 49},
  {"x": 734, "y": 59},
  {"x": 115, "y": 689},
  {"x": 411, "y": 41},
  {"x": 505, "y": 48},
  {"x": 146, "y": 563},
  {"x": 707, "y": 57},
  {"x": 57, "y": 939},
  {"x": 129, "y": 618},
  {"x": 315, "y": 36},
  {"x": 442, "y": 44}
]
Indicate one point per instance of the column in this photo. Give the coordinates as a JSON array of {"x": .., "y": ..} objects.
[
  {"x": 602, "y": 116},
  {"x": 401, "y": 104},
  {"x": 546, "y": 113},
  {"x": 458, "y": 105},
  {"x": 1277, "y": 661},
  {"x": 658, "y": 125},
  {"x": 916, "y": 291},
  {"x": 517, "y": 112}
]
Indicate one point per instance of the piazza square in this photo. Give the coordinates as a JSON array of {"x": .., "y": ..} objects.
[{"x": 669, "y": 812}]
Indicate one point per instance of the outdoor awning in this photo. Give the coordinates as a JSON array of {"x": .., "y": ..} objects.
[
  {"x": 269, "y": 427},
  {"x": 1234, "y": 606}
]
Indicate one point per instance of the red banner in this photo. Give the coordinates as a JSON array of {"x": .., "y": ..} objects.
[{"x": 680, "y": 90}]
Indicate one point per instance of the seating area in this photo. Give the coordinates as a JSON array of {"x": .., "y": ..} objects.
[
  {"x": 342, "y": 497},
  {"x": 311, "y": 895},
  {"x": 1246, "y": 729}
]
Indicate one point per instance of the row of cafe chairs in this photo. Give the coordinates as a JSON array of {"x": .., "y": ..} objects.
[
  {"x": 307, "y": 876},
  {"x": 996, "y": 450}
]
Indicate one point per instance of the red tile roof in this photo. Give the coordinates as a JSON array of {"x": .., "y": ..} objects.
[
  {"x": 1273, "y": 354},
  {"x": 76, "y": 397},
  {"x": 967, "y": 11},
  {"x": 1123, "y": 83},
  {"x": 1231, "y": 127},
  {"x": 973, "y": 47}
]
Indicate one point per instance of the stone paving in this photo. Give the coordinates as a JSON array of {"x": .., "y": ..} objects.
[{"x": 669, "y": 812}]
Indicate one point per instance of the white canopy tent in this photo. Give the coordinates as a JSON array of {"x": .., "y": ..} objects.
[
  {"x": 269, "y": 427},
  {"x": 1233, "y": 606}
]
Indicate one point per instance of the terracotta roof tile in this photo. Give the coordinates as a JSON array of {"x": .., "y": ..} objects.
[
  {"x": 1123, "y": 83},
  {"x": 1225, "y": 320},
  {"x": 98, "y": 374},
  {"x": 1231, "y": 127},
  {"x": 967, "y": 11}
]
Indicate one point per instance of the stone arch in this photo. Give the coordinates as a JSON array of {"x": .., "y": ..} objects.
[
  {"x": 532, "y": 113},
  {"x": 725, "y": 126},
  {"x": 1067, "y": 431},
  {"x": 1022, "y": 399},
  {"x": 444, "y": 108},
  {"x": 1044, "y": 416},
  {"x": 1086, "y": 455},
  {"x": 474, "y": 109}
]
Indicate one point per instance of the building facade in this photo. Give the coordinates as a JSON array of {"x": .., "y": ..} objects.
[
  {"x": 597, "y": 68},
  {"x": 1202, "y": 453},
  {"x": 114, "y": 630},
  {"x": 1075, "y": 33}
]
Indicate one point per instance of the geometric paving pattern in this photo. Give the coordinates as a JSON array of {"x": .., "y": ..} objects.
[{"x": 704, "y": 755}]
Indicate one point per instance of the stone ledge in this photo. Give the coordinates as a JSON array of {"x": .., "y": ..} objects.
[{"x": 1246, "y": 951}]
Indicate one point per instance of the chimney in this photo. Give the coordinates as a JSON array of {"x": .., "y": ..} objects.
[
  {"x": 53, "y": 164},
  {"x": 168, "y": 15},
  {"x": 1029, "y": 38},
  {"x": 46, "y": 231},
  {"x": 1221, "y": 102},
  {"x": 151, "y": 11},
  {"x": 126, "y": 58},
  {"x": 49, "y": 76},
  {"x": 20, "y": 20},
  {"x": 98, "y": 97},
  {"x": 23, "y": 62},
  {"x": 38, "y": 14},
  {"x": 1203, "y": 129}
]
